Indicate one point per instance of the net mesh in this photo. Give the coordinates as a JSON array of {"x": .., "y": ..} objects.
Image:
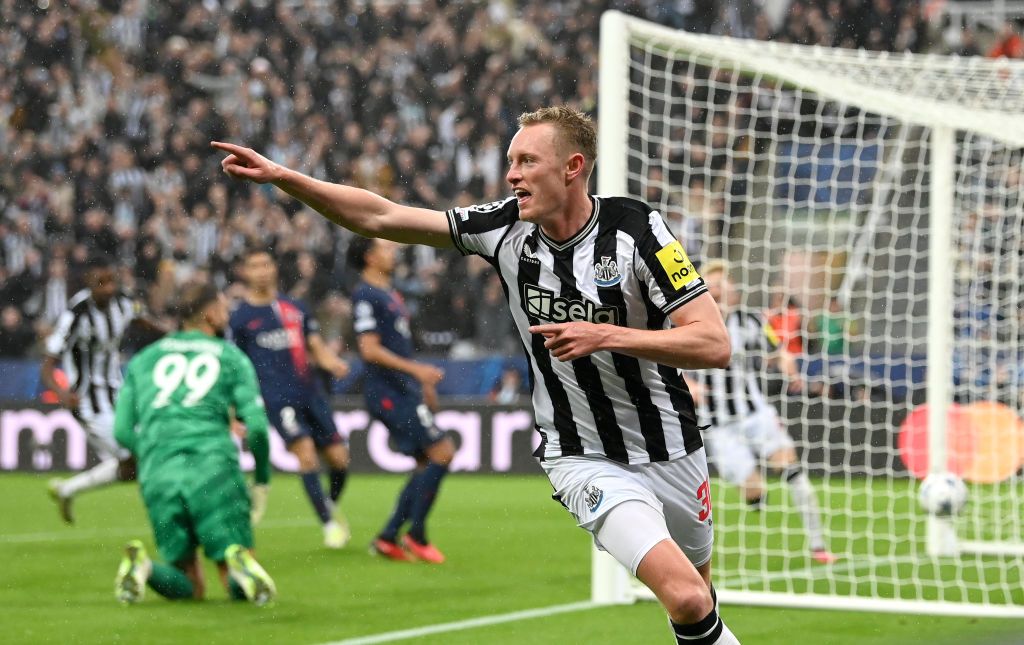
[{"x": 809, "y": 170}]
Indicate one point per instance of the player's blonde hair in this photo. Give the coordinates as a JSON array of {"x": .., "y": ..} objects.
[
  {"x": 715, "y": 266},
  {"x": 575, "y": 129}
]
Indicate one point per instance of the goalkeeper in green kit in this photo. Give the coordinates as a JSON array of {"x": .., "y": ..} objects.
[{"x": 173, "y": 414}]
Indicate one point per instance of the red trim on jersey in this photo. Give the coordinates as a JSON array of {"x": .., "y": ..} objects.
[{"x": 291, "y": 320}]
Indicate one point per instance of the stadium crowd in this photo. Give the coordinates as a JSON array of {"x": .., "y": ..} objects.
[{"x": 107, "y": 108}]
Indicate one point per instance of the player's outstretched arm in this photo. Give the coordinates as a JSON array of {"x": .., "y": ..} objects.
[
  {"x": 358, "y": 210},
  {"x": 373, "y": 351},
  {"x": 698, "y": 340}
]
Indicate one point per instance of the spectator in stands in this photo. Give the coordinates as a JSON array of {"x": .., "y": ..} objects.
[
  {"x": 106, "y": 109},
  {"x": 786, "y": 318},
  {"x": 830, "y": 332},
  {"x": 493, "y": 332},
  {"x": 16, "y": 335},
  {"x": 1008, "y": 43},
  {"x": 967, "y": 45},
  {"x": 509, "y": 387},
  {"x": 830, "y": 329}
]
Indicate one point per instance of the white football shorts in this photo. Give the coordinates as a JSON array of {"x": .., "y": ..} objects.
[
  {"x": 99, "y": 432},
  {"x": 590, "y": 486},
  {"x": 734, "y": 449}
]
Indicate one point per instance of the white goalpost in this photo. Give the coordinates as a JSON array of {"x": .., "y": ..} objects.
[{"x": 873, "y": 205}]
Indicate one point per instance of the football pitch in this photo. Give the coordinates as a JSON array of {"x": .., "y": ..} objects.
[{"x": 510, "y": 549}]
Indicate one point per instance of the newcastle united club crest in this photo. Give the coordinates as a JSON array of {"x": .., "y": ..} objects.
[{"x": 606, "y": 272}]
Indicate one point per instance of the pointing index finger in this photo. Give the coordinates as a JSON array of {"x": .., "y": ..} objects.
[
  {"x": 549, "y": 328},
  {"x": 227, "y": 147}
]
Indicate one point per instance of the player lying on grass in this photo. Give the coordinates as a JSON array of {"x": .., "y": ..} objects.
[
  {"x": 173, "y": 415},
  {"x": 608, "y": 308},
  {"x": 742, "y": 427}
]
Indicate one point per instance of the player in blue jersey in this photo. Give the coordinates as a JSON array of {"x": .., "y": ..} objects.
[
  {"x": 402, "y": 394},
  {"x": 279, "y": 336}
]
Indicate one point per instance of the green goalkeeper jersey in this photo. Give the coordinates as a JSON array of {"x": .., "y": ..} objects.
[{"x": 178, "y": 397}]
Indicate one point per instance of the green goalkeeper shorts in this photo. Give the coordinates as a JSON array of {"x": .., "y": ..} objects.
[{"x": 197, "y": 500}]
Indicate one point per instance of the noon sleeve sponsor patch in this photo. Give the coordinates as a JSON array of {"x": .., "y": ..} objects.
[{"x": 677, "y": 265}]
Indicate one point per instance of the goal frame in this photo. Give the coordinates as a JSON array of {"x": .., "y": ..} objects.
[{"x": 610, "y": 582}]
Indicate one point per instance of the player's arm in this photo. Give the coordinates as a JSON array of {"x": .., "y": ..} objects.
[
  {"x": 372, "y": 351},
  {"x": 47, "y": 372},
  {"x": 698, "y": 339},
  {"x": 56, "y": 344},
  {"x": 126, "y": 414},
  {"x": 358, "y": 210},
  {"x": 245, "y": 396},
  {"x": 782, "y": 359},
  {"x": 326, "y": 358}
]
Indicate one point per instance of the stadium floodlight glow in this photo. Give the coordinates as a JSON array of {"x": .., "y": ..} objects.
[{"x": 884, "y": 194}]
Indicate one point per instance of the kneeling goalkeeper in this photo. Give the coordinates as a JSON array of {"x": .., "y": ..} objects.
[{"x": 173, "y": 415}]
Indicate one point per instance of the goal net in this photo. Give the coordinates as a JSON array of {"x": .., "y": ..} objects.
[{"x": 873, "y": 206}]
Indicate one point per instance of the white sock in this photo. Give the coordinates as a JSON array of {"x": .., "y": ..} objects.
[
  {"x": 101, "y": 474},
  {"x": 806, "y": 502},
  {"x": 727, "y": 637}
]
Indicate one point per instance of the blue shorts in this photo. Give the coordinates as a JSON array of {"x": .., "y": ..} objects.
[
  {"x": 410, "y": 424},
  {"x": 311, "y": 418}
]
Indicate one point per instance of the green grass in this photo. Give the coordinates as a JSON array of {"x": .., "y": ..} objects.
[
  {"x": 510, "y": 548},
  {"x": 877, "y": 528}
]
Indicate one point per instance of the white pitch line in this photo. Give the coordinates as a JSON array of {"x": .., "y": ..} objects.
[
  {"x": 71, "y": 534},
  {"x": 472, "y": 623}
]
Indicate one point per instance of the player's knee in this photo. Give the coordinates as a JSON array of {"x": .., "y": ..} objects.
[
  {"x": 337, "y": 456},
  {"x": 783, "y": 458},
  {"x": 305, "y": 452},
  {"x": 687, "y": 604},
  {"x": 442, "y": 452},
  {"x": 753, "y": 488}
]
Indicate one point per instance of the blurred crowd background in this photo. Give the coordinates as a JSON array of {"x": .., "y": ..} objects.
[{"x": 107, "y": 108}]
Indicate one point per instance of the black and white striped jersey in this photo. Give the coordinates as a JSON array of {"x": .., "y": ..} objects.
[
  {"x": 87, "y": 339},
  {"x": 622, "y": 268},
  {"x": 732, "y": 394}
]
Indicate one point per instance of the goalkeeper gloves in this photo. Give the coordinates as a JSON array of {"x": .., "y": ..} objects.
[{"x": 258, "y": 493}]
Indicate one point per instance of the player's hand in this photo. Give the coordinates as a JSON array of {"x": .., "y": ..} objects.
[
  {"x": 795, "y": 385},
  {"x": 258, "y": 493},
  {"x": 68, "y": 399},
  {"x": 430, "y": 397},
  {"x": 338, "y": 368},
  {"x": 246, "y": 163},
  {"x": 238, "y": 429},
  {"x": 428, "y": 375},
  {"x": 569, "y": 341}
]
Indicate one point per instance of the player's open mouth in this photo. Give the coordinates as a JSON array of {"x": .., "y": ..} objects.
[{"x": 522, "y": 196}]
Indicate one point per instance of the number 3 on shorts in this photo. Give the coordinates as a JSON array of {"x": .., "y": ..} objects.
[{"x": 704, "y": 495}]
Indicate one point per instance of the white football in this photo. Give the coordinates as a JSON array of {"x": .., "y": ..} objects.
[{"x": 942, "y": 494}]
